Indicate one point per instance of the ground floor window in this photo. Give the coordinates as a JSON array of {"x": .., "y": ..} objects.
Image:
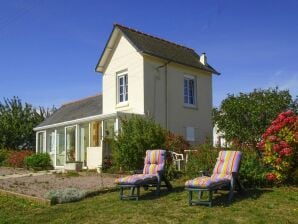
[
  {"x": 96, "y": 134},
  {"x": 41, "y": 140}
]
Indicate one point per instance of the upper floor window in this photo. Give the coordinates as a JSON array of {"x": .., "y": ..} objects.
[
  {"x": 122, "y": 87},
  {"x": 189, "y": 90}
]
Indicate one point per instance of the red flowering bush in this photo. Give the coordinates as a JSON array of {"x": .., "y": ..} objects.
[
  {"x": 279, "y": 146},
  {"x": 176, "y": 143},
  {"x": 16, "y": 158}
]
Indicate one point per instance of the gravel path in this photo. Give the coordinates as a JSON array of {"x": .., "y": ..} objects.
[
  {"x": 39, "y": 185},
  {"x": 4, "y": 171}
]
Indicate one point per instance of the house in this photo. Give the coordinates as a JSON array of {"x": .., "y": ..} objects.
[{"x": 144, "y": 75}]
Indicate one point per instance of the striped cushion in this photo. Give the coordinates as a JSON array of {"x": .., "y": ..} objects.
[
  {"x": 227, "y": 162},
  {"x": 136, "y": 179},
  {"x": 154, "y": 161},
  {"x": 206, "y": 182}
]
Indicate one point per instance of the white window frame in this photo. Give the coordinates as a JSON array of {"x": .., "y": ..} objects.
[
  {"x": 121, "y": 75},
  {"x": 189, "y": 78},
  {"x": 44, "y": 146}
]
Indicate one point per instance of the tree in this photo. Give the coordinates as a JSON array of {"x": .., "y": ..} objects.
[
  {"x": 244, "y": 117},
  {"x": 137, "y": 135},
  {"x": 17, "y": 121}
]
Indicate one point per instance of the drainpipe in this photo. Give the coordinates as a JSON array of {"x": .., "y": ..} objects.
[
  {"x": 166, "y": 94},
  {"x": 166, "y": 91}
]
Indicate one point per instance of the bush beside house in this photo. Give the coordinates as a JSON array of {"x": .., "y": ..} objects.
[
  {"x": 137, "y": 135},
  {"x": 39, "y": 161}
]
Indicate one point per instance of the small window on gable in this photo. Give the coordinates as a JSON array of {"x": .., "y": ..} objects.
[
  {"x": 190, "y": 134},
  {"x": 189, "y": 91},
  {"x": 122, "y": 87}
]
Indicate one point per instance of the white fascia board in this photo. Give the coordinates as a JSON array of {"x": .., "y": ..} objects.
[{"x": 76, "y": 121}]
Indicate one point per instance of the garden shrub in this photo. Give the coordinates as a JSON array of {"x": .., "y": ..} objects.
[
  {"x": 176, "y": 143},
  {"x": 203, "y": 159},
  {"x": 65, "y": 195},
  {"x": 279, "y": 146},
  {"x": 16, "y": 158},
  {"x": 39, "y": 161},
  {"x": 138, "y": 134},
  {"x": 252, "y": 170},
  {"x": 3, "y": 156}
]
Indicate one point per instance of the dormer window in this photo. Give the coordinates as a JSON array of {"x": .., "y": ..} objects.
[{"x": 122, "y": 82}]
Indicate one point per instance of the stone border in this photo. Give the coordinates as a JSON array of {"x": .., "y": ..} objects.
[
  {"x": 38, "y": 200},
  {"x": 44, "y": 201}
]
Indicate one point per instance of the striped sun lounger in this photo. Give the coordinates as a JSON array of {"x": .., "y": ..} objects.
[
  {"x": 225, "y": 173},
  {"x": 152, "y": 175}
]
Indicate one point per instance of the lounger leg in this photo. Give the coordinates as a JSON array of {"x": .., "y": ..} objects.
[
  {"x": 157, "y": 189},
  {"x": 231, "y": 191},
  {"x": 138, "y": 193},
  {"x": 200, "y": 195},
  {"x": 210, "y": 198},
  {"x": 121, "y": 193},
  {"x": 231, "y": 195},
  {"x": 190, "y": 198},
  {"x": 132, "y": 191}
]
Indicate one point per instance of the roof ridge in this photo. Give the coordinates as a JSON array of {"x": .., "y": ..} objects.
[
  {"x": 82, "y": 99},
  {"x": 158, "y": 38}
]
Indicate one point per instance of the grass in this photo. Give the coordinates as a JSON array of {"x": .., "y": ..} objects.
[{"x": 276, "y": 205}]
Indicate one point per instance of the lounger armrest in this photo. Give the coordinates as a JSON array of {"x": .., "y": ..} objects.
[
  {"x": 138, "y": 171},
  {"x": 204, "y": 173}
]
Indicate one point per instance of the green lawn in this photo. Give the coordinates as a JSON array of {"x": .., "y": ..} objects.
[{"x": 276, "y": 205}]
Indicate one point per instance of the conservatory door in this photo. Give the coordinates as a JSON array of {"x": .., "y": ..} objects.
[
  {"x": 70, "y": 143},
  {"x": 83, "y": 143}
]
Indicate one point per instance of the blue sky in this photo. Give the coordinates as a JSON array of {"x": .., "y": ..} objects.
[{"x": 49, "y": 48}]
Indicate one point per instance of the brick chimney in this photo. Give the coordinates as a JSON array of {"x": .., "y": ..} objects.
[{"x": 203, "y": 59}]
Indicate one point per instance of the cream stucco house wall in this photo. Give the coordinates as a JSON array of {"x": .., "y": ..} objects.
[
  {"x": 156, "y": 82},
  {"x": 141, "y": 74}
]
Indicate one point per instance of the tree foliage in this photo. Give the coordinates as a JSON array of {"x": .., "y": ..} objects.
[
  {"x": 244, "y": 117},
  {"x": 17, "y": 121},
  {"x": 137, "y": 135}
]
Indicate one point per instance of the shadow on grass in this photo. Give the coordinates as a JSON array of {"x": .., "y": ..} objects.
[
  {"x": 150, "y": 194},
  {"x": 221, "y": 197}
]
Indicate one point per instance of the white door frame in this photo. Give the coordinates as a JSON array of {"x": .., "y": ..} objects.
[{"x": 76, "y": 141}]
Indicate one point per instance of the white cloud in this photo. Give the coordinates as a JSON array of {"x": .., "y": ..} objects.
[{"x": 285, "y": 81}]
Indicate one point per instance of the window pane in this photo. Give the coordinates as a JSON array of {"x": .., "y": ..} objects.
[
  {"x": 40, "y": 148},
  {"x": 189, "y": 91},
  {"x": 121, "y": 90},
  {"x": 121, "y": 81},
  {"x": 121, "y": 98}
]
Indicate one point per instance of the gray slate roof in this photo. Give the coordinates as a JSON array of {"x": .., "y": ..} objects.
[
  {"x": 75, "y": 110},
  {"x": 164, "y": 49}
]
